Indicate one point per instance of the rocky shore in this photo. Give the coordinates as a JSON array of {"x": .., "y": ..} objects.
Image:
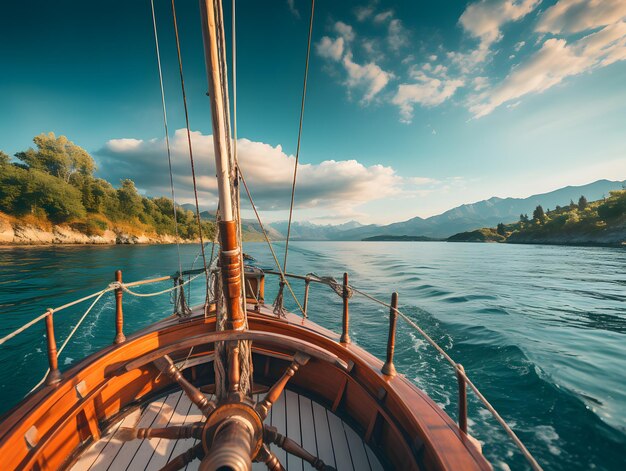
[
  {"x": 609, "y": 237},
  {"x": 19, "y": 233}
]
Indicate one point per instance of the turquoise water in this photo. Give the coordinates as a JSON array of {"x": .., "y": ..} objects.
[{"x": 541, "y": 330}]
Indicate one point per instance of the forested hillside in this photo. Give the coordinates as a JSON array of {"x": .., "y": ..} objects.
[
  {"x": 601, "y": 222},
  {"x": 53, "y": 183}
]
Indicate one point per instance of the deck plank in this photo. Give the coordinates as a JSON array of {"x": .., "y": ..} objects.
[
  {"x": 146, "y": 449},
  {"x": 340, "y": 443},
  {"x": 126, "y": 454},
  {"x": 87, "y": 459},
  {"x": 325, "y": 450},
  {"x": 293, "y": 428},
  {"x": 194, "y": 415},
  {"x": 279, "y": 421},
  {"x": 164, "y": 448},
  {"x": 357, "y": 449},
  {"x": 306, "y": 422},
  {"x": 307, "y": 428},
  {"x": 374, "y": 461},
  {"x": 113, "y": 445}
]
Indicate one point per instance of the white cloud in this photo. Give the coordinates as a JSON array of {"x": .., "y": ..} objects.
[
  {"x": 519, "y": 45},
  {"x": 556, "y": 60},
  {"x": 268, "y": 171},
  {"x": 363, "y": 13},
  {"x": 397, "y": 35},
  {"x": 484, "y": 19},
  {"x": 292, "y": 8},
  {"x": 344, "y": 30},
  {"x": 573, "y": 16},
  {"x": 330, "y": 49},
  {"x": 370, "y": 77},
  {"x": 480, "y": 83},
  {"x": 124, "y": 145},
  {"x": 428, "y": 91},
  {"x": 383, "y": 16}
]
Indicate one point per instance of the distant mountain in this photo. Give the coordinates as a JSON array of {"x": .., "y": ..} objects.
[
  {"x": 486, "y": 213},
  {"x": 250, "y": 227},
  {"x": 402, "y": 238},
  {"x": 467, "y": 217},
  {"x": 303, "y": 230}
]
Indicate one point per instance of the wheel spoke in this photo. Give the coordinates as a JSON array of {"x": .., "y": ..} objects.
[
  {"x": 173, "y": 433},
  {"x": 266, "y": 456},
  {"x": 276, "y": 390},
  {"x": 184, "y": 459},
  {"x": 166, "y": 366},
  {"x": 271, "y": 435}
]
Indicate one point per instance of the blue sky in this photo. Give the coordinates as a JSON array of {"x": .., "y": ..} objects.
[{"x": 412, "y": 107}]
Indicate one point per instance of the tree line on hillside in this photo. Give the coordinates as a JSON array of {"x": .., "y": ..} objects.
[
  {"x": 55, "y": 183},
  {"x": 583, "y": 220},
  {"x": 581, "y": 216}
]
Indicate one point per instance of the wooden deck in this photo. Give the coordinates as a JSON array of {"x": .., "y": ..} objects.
[{"x": 317, "y": 429}]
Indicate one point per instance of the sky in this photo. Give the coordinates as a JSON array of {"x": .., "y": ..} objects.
[{"x": 412, "y": 108}]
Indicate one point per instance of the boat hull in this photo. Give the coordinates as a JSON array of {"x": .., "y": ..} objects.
[{"x": 52, "y": 426}]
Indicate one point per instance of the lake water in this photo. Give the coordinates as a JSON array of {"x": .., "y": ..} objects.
[{"x": 540, "y": 330}]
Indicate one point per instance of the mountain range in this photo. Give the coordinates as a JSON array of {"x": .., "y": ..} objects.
[{"x": 467, "y": 217}]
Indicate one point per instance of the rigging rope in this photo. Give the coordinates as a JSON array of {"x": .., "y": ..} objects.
[
  {"x": 529, "y": 457},
  {"x": 71, "y": 335},
  {"x": 278, "y": 303},
  {"x": 193, "y": 170},
  {"x": 332, "y": 283},
  {"x": 167, "y": 134},
  {"x": 295, "y": 167},
  {"x": 116, "y": 285},
  {"x": 269, "y": 243}
]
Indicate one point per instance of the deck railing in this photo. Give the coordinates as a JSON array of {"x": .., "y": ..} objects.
[
  {"x": 388, "y": 367},
  {"x": 345, "y": 290}
]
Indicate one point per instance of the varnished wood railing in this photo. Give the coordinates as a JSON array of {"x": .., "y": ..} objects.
[
  {"x": 462, "y": 379},
  {"x": 388, "y": 368},
  {"x": 119, "y": 313},
  {"x": 345, "y": 334},
  {"x": 54, "y": 376}
]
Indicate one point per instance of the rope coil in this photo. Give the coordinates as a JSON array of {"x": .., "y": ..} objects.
[{"x": 336, "y": 286}]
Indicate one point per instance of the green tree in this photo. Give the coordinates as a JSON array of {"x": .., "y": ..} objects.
[
  {"x": 58, "y": 156},
  {"x": 538, "y": 214},
  {"x": 582, "y": 203},
  {"x": 130, "y": 202},
  {"x": 12, "y": 187},
  {"x": 501, "y": 229},
  {"x": 614, "y": 206},
  {"x": 4, "y": 159},
  {"x": 60, "y": 201}
]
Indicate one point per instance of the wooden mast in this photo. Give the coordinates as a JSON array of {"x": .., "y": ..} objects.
[{"x": 230, "y": 251}]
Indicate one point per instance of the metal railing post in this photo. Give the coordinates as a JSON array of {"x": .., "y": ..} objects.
[
  {"x": 305, "y": 305},
  {"x": 119, "y": 314},
  {"x": 462, "y": 398},
  {"x": 388, "y": 368},
  {"x": 345, "y": 337},
  {"x": 54, "y": 376}
]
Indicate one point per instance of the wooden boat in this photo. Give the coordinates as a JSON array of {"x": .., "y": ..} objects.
[{"x": 234, "y": 386}]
